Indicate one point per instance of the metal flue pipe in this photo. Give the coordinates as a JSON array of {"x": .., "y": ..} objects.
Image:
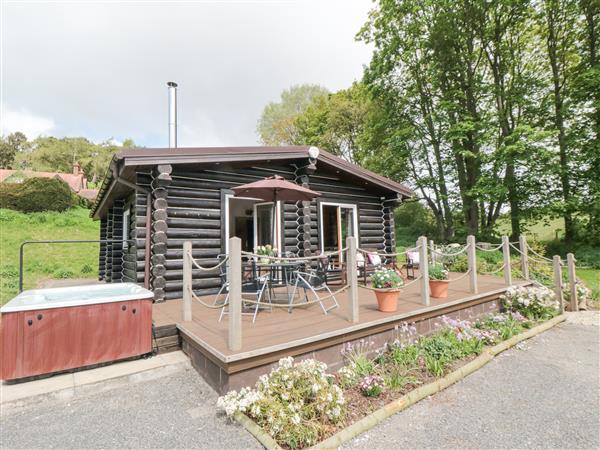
[{"x": 172, "y": 114}]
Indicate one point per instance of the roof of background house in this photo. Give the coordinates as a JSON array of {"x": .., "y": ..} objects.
[
  {"x": 75, "y": 182},
  {"x": 124, "y": 163},
  {"x": 90, "y": 194}
]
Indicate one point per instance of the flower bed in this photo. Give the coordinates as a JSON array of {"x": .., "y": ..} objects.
[{"x": 300, "y": 404}]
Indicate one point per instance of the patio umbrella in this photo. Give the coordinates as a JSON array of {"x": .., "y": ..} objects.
[{"x": 273, "y": 189}]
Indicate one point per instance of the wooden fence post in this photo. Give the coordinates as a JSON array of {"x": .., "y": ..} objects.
[
  {"x": 506, "y": 259},
  {"x": 432, "y": 250},
  {"x": 352, "y": 278},
  {"x": 234, "y": 277},
  {"x": 524, "y": 258},
  {"x": 187, "y": 281},
  {"x": 472, "y": 259},
  {"x": 572, "y": 281},
  {"x": 424, "y": 269},
  {"x": 558, "y": 282}
]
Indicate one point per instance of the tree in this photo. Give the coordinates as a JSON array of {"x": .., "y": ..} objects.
[
  {"x": 10, "y": 146},
  {"x": 560, "y": 22},
  {"x": 276, "y": 125}
]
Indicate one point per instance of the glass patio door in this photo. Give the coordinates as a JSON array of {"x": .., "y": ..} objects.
[
  {"x": 338, "y": 221},
  {"x": 266, "y": 230}
]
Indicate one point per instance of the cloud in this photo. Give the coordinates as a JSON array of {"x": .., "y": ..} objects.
[
  {"x": 26, "y": 122},
  {"x": 99, "y": 69}
]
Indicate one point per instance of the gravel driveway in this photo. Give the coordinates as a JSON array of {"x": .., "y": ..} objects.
[
  {"x": 176, "y": 411},
  {"x": 545, "y": 394}
]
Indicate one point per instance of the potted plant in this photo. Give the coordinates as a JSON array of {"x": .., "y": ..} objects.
[
  {"x": 438, "y": 280},
  {"x": 266, "y": 251},
  {"x": 387, "y": 284}
]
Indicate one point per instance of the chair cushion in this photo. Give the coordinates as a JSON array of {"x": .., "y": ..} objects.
[
  {"x": 374, "y": 259},
  {"x": 412, "y": 257},
  {"x": 360, "y": 259}
]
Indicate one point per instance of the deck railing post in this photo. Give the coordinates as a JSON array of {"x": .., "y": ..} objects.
[
  {"x": 556, "y": 263},
  {"x": 572, "y": 281},
  {"x": 506, "y": 259},
  {"x": 432, "y": 250},
  {"x": 472, "y": 261},
  {"x": 187, "y": 281},
  {"x": 352, "y": 278},
  {"x": 234, "y": 277},
  {"x": 424, "y": 268},
  {"x": 524, "y": 259}
]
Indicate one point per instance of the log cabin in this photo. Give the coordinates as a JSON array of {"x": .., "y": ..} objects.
[{"x": 172, "y": 195}]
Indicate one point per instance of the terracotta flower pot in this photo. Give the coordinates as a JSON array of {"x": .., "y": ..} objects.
[
  {"x": 388, "y": 300},
  {"x": 438, "y": 288}
]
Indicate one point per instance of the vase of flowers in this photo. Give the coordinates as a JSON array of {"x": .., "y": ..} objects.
[
  {"x": 265, "y": 252},
  {"x": 438, "y": 280},
  {"x": 387, "y": 284}
]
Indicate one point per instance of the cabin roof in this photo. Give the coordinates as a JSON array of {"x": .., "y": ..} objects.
[{"x": 125, "y": 163}]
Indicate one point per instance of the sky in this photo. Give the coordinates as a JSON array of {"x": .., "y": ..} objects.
[{"x": 99, "y": 69}]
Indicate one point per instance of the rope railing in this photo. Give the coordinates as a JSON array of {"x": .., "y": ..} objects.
[
  {"x": 462, "y": 250},
  {"x": 391, "y": 255},
  {"x": 501, "y": 268},
  {"x": 468, "y": 272},
  {"x": 295, "y": 258},
  {"x": 538, "y": 255},
  {"x": 493, "y": 249},
  {"x": 296, "y": 305},
  {"x": 428, "y": 252},
  {"x": 206, "y": 269}
]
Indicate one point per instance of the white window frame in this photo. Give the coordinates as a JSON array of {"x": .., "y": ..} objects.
[
  {"x": 254, "y": 220},
  {"x": 351, "y": 206},
  {"x": 125, "y": 232}
]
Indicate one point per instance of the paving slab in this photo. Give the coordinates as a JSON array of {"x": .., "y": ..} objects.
[{"x": 67, "y": 384}]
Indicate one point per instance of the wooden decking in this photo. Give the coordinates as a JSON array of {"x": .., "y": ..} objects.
[{"x": 278, "y": 332}]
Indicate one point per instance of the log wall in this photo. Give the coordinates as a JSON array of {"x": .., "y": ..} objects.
[{"x": 188, "y": 206}]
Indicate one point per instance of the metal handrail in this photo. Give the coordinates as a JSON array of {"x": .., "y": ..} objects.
[{"x": 60, "y": 241}]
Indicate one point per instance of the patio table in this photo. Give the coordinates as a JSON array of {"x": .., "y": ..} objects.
[{"x": 281, "y": 274}]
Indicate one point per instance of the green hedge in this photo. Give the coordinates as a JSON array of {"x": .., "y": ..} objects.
[{"x": 37, "y": 194}]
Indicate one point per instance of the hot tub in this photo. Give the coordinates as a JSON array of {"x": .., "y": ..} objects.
[{"x": 52, "y": 330}]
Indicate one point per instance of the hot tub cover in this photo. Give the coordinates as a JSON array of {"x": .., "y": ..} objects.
[{"x": 35, "y": 299}]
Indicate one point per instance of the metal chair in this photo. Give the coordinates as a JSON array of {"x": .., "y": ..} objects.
[
  {"x": 256, "y": 286},
  {"x": 314, "y": 282}
]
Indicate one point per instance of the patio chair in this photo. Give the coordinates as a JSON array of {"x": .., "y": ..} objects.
[
  {"x": 412, "y": 263},
  {"x": 313, "y": 281},
  {"x": 372, "y": 261},
  {"x": 331, "y": 269},
  {"x": 257, "y": 287}
]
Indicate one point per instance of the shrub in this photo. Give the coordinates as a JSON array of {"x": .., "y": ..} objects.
[
  {"x": 459, "y": 264},
  {"x": 387, "y": 279},
  {"x": 37, "y": 194},
  {"x": 583, "y": 293},
  {"x": 532, "y": 302},
  {"x": 294, "y": 403}
]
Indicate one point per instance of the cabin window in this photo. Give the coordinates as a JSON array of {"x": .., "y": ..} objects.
[
  {"x": 252, "y": 221},
  {"x": 126, "y": 215},
  {"x": 338, "y": 221}
]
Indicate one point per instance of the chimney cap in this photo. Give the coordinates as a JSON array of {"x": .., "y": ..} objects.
[{"x": 171, "y": 84}]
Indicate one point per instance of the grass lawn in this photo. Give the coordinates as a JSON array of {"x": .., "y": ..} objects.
[
  {"x": 543, "y": 230},
  {"x": 43, "y": 261},
  {"x": 591, "y": 278}
]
